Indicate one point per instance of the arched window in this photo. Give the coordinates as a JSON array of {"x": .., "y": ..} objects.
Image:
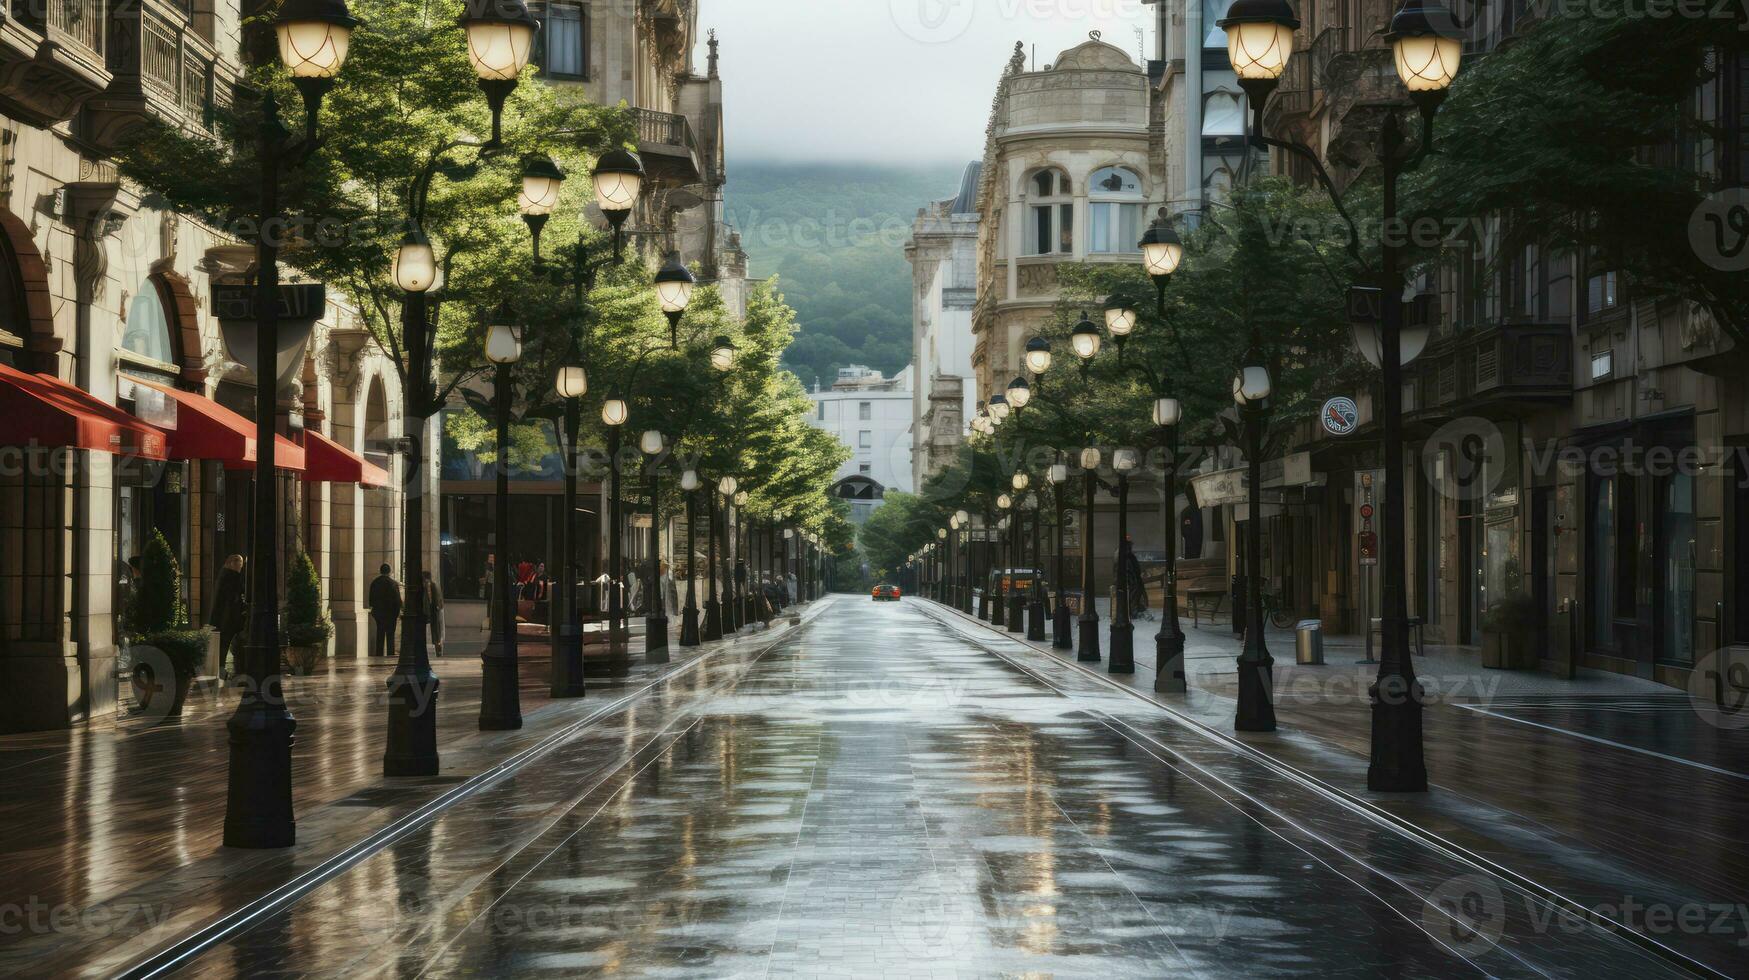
[
  {"x": 148, "y": 329},
  {"x": 1114, "y": 211},
  {"x": 1050, "y": 214}
]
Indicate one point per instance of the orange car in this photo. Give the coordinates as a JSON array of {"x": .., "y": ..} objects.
[{"x": 889, "y": 593}]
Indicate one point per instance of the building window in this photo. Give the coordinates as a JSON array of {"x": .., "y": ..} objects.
[
  {"x": 822, "y": 410},
  {"x": 865, "y": 439},
  {"x": 1223, "y": 114},
  {"x": 1114, "y": 211},
  {"x": 564, "y": 41},
  {"x": 1676, "y": 546},
  {"x": 865, "y": 468},
  {"x": 147, "y": 333},
  {"x": 865, "y": 411},
  {"x": 1603, "y": 297},
  {"x": 1602, "y": 364},
  {"x": 1050, "y": 214}
]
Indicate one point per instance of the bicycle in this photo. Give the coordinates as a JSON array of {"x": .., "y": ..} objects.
[{"x": 1279, "y": 614}]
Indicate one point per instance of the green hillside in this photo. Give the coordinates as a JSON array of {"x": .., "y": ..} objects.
[{"x": 835, "y": 235}]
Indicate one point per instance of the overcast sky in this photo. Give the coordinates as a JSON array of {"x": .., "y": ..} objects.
[{"x": 887, "y": 80}]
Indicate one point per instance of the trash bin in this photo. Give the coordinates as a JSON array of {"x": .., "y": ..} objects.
[{"x": 1309, "y": 642}]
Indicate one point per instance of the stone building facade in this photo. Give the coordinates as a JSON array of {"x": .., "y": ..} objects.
[
  {"x": 101, "y": 290},
  {"x": 943, "y": 252}
]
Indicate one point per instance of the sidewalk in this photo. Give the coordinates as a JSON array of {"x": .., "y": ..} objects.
[
  {"x": 1610, "y": 790},
  {"x": 114, "y": 829}
]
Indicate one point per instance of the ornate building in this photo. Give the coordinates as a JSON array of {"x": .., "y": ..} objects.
[
  {"x": 106, "y": 314},
  {"x": 943, "y": 252}
]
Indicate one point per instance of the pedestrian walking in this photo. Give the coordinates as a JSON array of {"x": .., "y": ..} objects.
[
  {"x": 434, "y": 613},
  {"x": 385, "y": 611},
  {"x": 227, "y": 611}
]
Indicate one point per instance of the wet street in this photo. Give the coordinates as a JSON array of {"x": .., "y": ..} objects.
[{"x": 883, "y": 793}]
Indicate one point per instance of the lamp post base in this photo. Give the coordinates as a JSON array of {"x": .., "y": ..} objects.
[
  {"x": 1089, "y": 652},
  {"x": 1035, "y": 619},
  {"x": 500, "y": 701},
  {"x": 1169, "y": 659},
  {"x": 689, "y": 632},
  {"x": 568, "y": 662},
  {"x": 1062, "y": 633},
  {"x": 998, "y": 611},
  {"x": 258, "y": 809},
  {"x": 412, "y": 734},
  {"x": 1123, "y": 649},
  {"x": 1016, "y": 615},
  {"x": 655, "y": 639},
  {"x": 1256, "y": 691},
  {"x": 1397, "y": 764},
  {"x": 713, "y": 620}
]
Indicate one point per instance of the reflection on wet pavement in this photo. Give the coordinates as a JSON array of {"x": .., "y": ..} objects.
[{"x": 877, "y": 795}]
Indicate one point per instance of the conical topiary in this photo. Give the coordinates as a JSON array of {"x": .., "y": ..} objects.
[
  {"x": 305, "y": 623},
  {"x": 157, "y": 616}
]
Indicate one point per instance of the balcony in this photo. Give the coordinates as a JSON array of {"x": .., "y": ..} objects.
[
  {"x": 669, "y": 149},
  {"x": 1496, "y": 370},
  {"x": 52, "y": 57},
  {"x": 164, "y": 69}
]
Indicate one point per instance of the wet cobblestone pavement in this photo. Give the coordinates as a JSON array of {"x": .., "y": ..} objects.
[{"x": 878, "y": 795}]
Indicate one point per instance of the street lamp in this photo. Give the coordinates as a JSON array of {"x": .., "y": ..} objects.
[
  {"x": 614, "y": 415},
  {"x": 542, "y": 182},
  {"x": 314, "y": 37},
  {"x": 1169, "y": 641},
  {"x": 1123, "y": 630},
  {"x": 999, "y": 407},
  {"x": 571, "y": 384},
  {"x": 500, "y": 40},
  {"x": 723, "y": 354},
  {"x": 1089, "y": 619},
  {"x": 619, "y": 179},
  {"x": 500, "y": 700},
  {"x": 410, "y": 741},
  {"x": 1085, "y": 340},
  {"x": 1016, "y": 621},
  {"x": 1251, "y": 390},
  {"x": 1120, "y": 321},
  {"x": 1427, "y": 50},
  {"x": 674, "y": 285},
  {"x": 1061, "y": 637},
  {"x": 689, "y": 633},
  {"x": 1038, "y": 355},
  {"x": 1035, "y": 600},
  {"x": 718, "y": 617},
  {"x": 999, "y": 599},
  {"x": 1019, "y": 393},
  {"x": 743, "y": 543},
  {"x": 656, "y": 603},
  {"x": 1162, "y": 250}
]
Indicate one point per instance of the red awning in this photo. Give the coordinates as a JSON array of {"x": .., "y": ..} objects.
[
  {"x": 207, "y": 430},
  {"x": 36, "y": 409},
  {"x": 326, "y": 461}
]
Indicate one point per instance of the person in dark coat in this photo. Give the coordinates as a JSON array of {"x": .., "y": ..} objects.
[
  {"x": 385, "y": 611},
  {"x": 228, "y": 608}
]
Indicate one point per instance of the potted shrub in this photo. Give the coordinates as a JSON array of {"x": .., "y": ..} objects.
[
  {"x": 1507, "y": 629},
  {"x": 307, "y": 628},
  {"x": 161, "y": 640}
]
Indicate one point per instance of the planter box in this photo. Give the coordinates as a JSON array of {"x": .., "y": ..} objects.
[{"x": 1507, "y": 651}]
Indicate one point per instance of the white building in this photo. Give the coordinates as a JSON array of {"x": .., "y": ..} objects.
[
  {"x": 943, "y": 252},
  {"x": 1199, "y": 108},
  {"x": 872, "y": 415}
]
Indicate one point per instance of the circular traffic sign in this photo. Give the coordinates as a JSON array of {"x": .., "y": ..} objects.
[{"x": 1340, "y": 416}]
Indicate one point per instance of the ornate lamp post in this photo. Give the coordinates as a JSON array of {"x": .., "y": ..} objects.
[
  {"x": 674, "y": 286},
  {"x": 1035, "y": 604},
  {"x": 1427, "y": 48},
  {"x": 656, "y": 603},
  {"x": 942, "y": 566},
  {"x": 999, "y": 609},
  {"x": 1251, "y": 390},
  {"x": 1123, "y": 631},
  {"x": 614, "y": 415},
  {"x": 1162, "y": 250},
  {"x": 314, "y": 36},
  {"x": 410, "y": 743},
  {"x": 500, "y": 40},
  {"x": 571, "y": 385},
  {"x": 500, "y": 700},
  {"x": 689, "y": 632},
  {"x": 1169, "y": 641},
  {"x": 731, "y": 612},
  {"x": 743, "y": 594},
  {"x": 1062, "y": 637},
  {"x": 1089, "y": 619},
  {"x": 963, "y": 541},
  {"x": 1017, "y": 540},
  {"x": 542, "y": 182}
]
